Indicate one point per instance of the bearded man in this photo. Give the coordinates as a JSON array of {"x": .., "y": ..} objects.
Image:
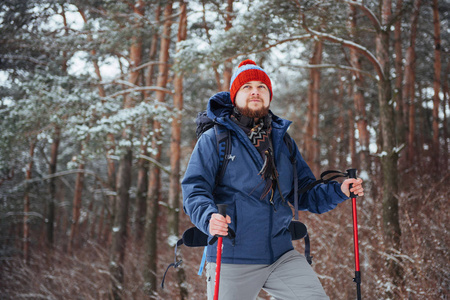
[{"x": 256, "y": 187}]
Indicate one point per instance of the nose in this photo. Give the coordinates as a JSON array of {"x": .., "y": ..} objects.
[{"x": 255, "y": 91}]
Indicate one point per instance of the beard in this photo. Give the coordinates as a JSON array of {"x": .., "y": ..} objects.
[{"x": 252, "y": 113}]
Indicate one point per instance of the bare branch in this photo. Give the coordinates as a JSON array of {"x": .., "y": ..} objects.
[
  {"x": 352, "y": 45},
  {"x": 74, "y": 171},
  {"x": 156, "y": 163},
  {"x": 375, "y": 22},
  {"x": 21, "y": 213},
  {"x": 398, "y": 14},
  {"x": 331, "y": 66},
  {"x": 24, "y": 57},
  {"x": 346, "y": 43},
  {"x": 146, "y": 65},
  {"x": 292, "y": 39}
]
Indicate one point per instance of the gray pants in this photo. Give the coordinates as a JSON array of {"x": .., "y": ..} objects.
[{"x": 289, "y": 278}]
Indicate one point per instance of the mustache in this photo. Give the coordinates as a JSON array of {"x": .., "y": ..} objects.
[{"x": 254, "y": 98}]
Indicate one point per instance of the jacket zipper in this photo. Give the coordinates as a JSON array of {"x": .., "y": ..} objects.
[{"x": 270, "y": 234}]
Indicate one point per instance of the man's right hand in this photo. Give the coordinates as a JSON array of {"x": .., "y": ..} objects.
[{"x": 218, "y": 224}]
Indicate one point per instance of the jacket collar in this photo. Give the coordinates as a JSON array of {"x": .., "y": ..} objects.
[{"x": 220, "y": 108}]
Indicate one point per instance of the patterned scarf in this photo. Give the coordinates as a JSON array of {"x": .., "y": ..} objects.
[{"x": 259, "y": 135}]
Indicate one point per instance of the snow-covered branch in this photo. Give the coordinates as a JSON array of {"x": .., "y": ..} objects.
[
  {"x": 156, "y": 163},
  {"x": 358, "y": 48},
  {"x": 140, "y": 89},
  {"x": 375, "y": 22},
  {"x": 292, "y": 39},
  {"x": 331, "y": 66},
  {"x": 30, "y": 214}
]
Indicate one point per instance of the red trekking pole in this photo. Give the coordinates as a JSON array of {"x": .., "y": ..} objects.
[
  {"x": 223, "y": 211},
  {"x": 357, "y": 279}
]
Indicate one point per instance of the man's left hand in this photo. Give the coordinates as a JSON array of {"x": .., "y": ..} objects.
[{"x": 356, "y": 189}]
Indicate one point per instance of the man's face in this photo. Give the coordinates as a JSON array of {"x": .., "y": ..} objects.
[{"x": 253, "y": 99}]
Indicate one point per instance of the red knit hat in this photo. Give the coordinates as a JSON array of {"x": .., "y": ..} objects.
[{"x": 248, "y": 71}]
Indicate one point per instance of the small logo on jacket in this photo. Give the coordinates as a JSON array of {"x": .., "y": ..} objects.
[{"x": 231, "y": 157}]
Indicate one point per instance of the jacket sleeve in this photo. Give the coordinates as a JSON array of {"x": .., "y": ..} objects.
[
  {"x": 322, "y": 197},
  {"x": 199, "y": 182}
]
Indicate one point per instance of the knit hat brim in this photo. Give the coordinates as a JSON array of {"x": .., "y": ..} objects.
[{"x": 246, "y": 72}]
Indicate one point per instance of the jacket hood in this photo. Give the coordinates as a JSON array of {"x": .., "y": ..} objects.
[{"x": 220, "y": 108}]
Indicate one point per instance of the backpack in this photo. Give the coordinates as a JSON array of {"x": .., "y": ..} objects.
[
  {"x": 193, "y": 237},
  {"x": 223, "y": 140}
]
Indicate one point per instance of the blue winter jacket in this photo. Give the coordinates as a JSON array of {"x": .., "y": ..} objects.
[{"x": 262, "y": 233}]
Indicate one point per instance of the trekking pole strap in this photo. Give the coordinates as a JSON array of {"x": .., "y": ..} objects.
[
  {"x": 307, "y": 188},
  {"x": 231, "y": 235},
  {"x": 324, "y": 180},
  {"x": 175, "y": 263},
  {"x": 294, "y": 164},
  {"x": 202, "y": 263},
  {"x": 313, "y": 184},
  {"x": 308, "y": 250}
]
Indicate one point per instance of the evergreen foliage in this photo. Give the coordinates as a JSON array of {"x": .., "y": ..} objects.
[{"x": 67, "y": 65}]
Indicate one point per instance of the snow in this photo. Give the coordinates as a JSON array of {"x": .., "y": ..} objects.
[
  {"x": 382, "y": 154},
  {"x": 172, "y": 240},
  {"x": 364, "y": 175}
]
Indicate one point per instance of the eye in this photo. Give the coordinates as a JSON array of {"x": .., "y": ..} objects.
[{"x": 262, "y": 86}]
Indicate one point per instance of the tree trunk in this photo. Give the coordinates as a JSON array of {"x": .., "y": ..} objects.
[
  {"x": 342, "y": 147},
  {"x": 398, "y": 62},
  {"x": 333, "y": 149},
  {"x": 77, "y": 201},
  {"x": 436, "y": 84},
  {"x": 363, "y": 161},
  {"x": 119, "y": 232},
  {"x": 389, "y": 157},
  {"x": 151, "y": 231},
  {"x": 208, "y": 37},
  {"x": 52, "y": 185},
  {"x": 423, "y": 135},
  {"x": 50, "y": 219},
  {"x": 143, "y": 166},
  {"x": 351, "y": 138},
  {"x": 110, "y": 148},
  {"x": 445, "y": 106},
  {"x": 154, "y": 178},
  {"x": 228, "y": 67},
  {"x": 312, "y": 134},
  {"x": 141, "y": 194},
  {"x": 410, "y": 79},
  {"x": 174, "y": 185},
  {"x": 26, "y": 205}
]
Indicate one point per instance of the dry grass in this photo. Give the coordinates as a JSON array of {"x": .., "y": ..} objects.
[{"x": 53, "y": 274}]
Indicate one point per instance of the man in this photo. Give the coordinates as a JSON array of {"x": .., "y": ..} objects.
[{"x": 256, "y": 186}]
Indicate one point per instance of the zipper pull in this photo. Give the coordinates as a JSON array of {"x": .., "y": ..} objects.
[{"x": 271, "y": 201}]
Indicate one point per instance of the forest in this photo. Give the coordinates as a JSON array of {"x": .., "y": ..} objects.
[{"x": 98, "y": 101}]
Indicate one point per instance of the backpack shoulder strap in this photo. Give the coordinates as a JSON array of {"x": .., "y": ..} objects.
[
  {"x": 223, "y": 138},
  {"x": 298, "y": 229},
  {"x": 288, "y": 142}
]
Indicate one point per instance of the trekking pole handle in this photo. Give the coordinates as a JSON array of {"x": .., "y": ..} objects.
[
  {"x": 352, "y": 174},
  {"x": 222, "y": 209}
]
